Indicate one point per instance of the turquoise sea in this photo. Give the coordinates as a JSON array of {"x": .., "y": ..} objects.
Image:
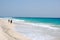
[{"x": 40, "y": 20}]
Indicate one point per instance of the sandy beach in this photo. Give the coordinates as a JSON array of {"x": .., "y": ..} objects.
[{"x": 7, "y": 32}]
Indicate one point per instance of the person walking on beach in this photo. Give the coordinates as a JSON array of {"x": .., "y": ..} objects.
[{"x": 10, "y": 21}]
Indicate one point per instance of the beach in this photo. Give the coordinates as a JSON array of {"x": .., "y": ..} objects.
[
  {"x": 22, "y": 30},
  {"x": 7, "y": 32}
]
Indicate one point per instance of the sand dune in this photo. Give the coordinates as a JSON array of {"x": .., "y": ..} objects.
[{"x": 7, "y": 32}]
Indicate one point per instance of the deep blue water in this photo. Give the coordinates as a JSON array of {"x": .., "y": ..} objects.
[{"x": 40, "y": 20}]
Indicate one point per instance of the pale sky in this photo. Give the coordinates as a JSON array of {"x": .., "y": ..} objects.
[{"x": 30, "y": 8}]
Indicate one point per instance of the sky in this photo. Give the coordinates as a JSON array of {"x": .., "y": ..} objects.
[{"x": 30, "y": 8}]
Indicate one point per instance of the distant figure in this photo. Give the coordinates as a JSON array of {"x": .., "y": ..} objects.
[{"x": 10, "y": 21}]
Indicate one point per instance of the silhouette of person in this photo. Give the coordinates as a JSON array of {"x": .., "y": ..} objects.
[{"x": 10, "y": 21}]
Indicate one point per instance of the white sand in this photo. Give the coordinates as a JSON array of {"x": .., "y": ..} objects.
[{"x": 7, "y": 32}]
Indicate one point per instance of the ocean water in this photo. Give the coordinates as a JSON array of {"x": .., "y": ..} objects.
[
  {"x": 38, "y": 28},
  {"x": 55, "y": 21},
  {"x": 37, "y": 19}
]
